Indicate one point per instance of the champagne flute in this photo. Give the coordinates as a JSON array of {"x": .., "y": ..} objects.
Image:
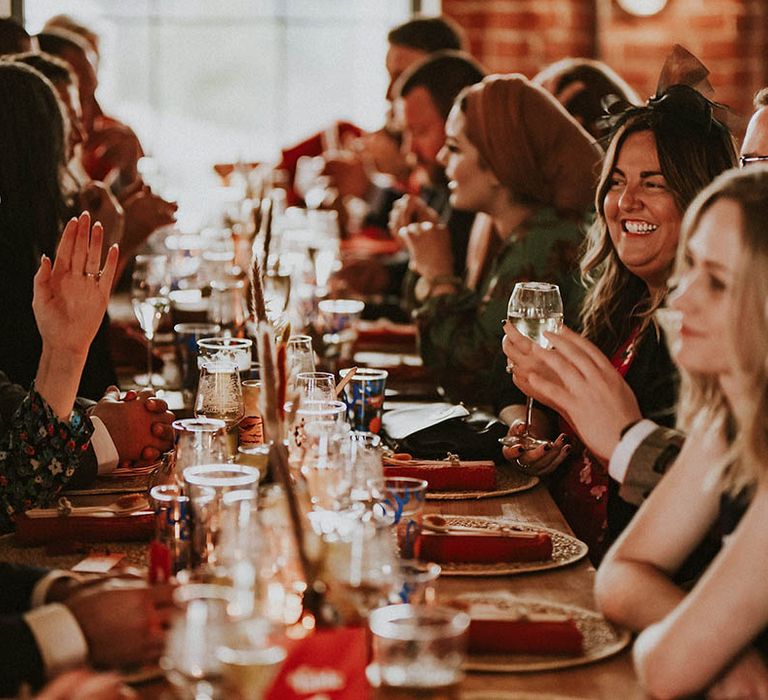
[
  {"x": 534, "y": 307},
  {"x": 150, "y": 289}
]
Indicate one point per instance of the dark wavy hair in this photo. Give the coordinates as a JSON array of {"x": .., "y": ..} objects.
[
  {"x": 33, "y": 147},
  {"x": 693, "y": 148}
]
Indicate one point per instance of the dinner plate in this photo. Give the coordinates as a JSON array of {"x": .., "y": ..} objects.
[
  {"x": 566, "y": 550},
  {"x": 601, "y": 638},
  {"x": 518, "y": 695},
  {"x": 508, "y": 481}
]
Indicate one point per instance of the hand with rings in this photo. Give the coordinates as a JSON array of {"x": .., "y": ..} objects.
[{"x": 72, "y": 292}]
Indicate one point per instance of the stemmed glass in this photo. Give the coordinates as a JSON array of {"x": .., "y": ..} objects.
[
  {"x": 220, "y": 396},
  {"x": 150, "y": 287},
  {"x": 534, "y": 307}
]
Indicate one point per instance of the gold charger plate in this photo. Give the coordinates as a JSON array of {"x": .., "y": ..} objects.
[
  {"x": 508, "y": 480},
  {"x": 566, "y": 550},
  {"x": 601, "y": 638}
]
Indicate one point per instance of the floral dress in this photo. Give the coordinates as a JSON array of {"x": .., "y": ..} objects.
[{"x": 39, "y": 454}]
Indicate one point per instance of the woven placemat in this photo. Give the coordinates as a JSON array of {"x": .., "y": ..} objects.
[
  {"x": 508, "y": 480},
  {"x": 566, "y": 550}
]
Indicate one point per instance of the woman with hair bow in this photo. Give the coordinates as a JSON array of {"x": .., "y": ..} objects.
[
  {"x": 513, "y": 152},
  {"x": 619, "y": 370}
]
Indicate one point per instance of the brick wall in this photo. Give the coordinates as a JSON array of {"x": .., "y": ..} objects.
[
  {"x": 524, "y": 35},
  {"x": 729, "y": 36}
]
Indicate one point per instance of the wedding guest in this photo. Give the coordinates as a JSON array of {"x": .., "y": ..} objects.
[
  {"x": 424, "y": 97},
  {"x": 620, "y": 371},
  {"x": 54, "y": 621},
  {"x": 512, "y": 152},
  {"x": 713, "y": 638},
  {"x": 754, "y": 148},
  {"x": 582, "y": 85},
  {"x": 34, "y": 208},
  {"x": 13, "y": 37}
]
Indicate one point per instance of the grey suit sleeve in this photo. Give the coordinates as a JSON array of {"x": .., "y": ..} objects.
[{"x": 649, "y": 463}]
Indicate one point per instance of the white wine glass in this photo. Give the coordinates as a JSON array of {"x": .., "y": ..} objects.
[
  {"x": 534, "y": 308},
  {"x": 220, "y": 396},
  {"x": 150, "y": 289}
]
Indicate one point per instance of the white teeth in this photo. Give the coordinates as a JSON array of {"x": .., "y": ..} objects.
[{"x": 639, "y": 227}]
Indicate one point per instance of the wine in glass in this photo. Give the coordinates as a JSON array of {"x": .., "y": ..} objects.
[
  {"x": 150, "y": 288},
  {"x": 220, "y": 396},
  {"x": 534, "y": 308}
]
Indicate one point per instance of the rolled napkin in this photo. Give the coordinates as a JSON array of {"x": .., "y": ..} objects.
[
  {"x": 470, "y": 548},
  {"x": 134, "y": 527},
  {"x": 526, "y": 634},
  {"x": 446, "y": 476}
]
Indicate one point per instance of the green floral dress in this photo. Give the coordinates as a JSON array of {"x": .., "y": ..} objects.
[
  {"x": 460, "y": 334},
  {"x": 39, "y": 454}
]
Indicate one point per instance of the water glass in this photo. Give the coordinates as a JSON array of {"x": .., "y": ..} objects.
[
  {"x": 206, "y": 486},
  {"x": 323, "y": 465},
  {"x": 316, "y": 386},
  {"x": 228, "y": 306},
  {"x": 237, "y": 350},
  {"x": 187, "y": 336},
  {"x": 199, "y": 441},
  {"x": 418, "y": 651},
  {"x": 338, "y": 326},
  {"x": 418, "y": 579},
  {"x": 300, "y": 357},
  {"x": 190, "y": 660},
  {"x": 310, "y": 412},
  {"x": 171, "y": 546},
  {"x": 364, "y": 396},
  {"x": 220, "y": 396},
  {"x": 402, "y": 500},
  {"x": 364, "y": 454}
]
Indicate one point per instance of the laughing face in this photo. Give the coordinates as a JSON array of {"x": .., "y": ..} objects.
[{"x": 642, "y": 216}]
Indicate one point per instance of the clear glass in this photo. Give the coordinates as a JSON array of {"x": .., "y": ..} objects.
[
  {"x": 316, "y": 386},
  {"x": 199, "y": 441},
  {"x": 419, "y": 649},
  {"x": 323, "y": 465},
  {"x": 418, "y": 580},
  {"x": 190, "y": 660},
  {"x": 534, "y": 307},
  {"x": 300, "y": 356},
  {"x": 364, "y": 454},
  {"x": 338, "y": 327},
  {"x": 251, "y": 654},
  {"x": 207, "y": 485},
  {"x": 172, "y": 524},
  {"x": 220, "y": 396},
  {"x": 364, "y": 396},
  {"x": 150, "y": 287},
  {"x": 310, "y": 412},
  {"x": 228, "y": 306},
  {"x": 401, "y": 501},
  {"x": 237, "y": 350},
  {"x": 187, "y": 336}
]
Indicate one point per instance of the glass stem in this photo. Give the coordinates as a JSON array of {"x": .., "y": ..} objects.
[
  {"x": 528, "y": 416},
  {"x": 150, "y": 338}
]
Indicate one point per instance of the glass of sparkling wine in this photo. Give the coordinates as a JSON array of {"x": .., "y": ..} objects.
[
  {"x": 534, "y": 307},
  {"x": 150, "y": 287},
  {"x": 220, "y": 396}
]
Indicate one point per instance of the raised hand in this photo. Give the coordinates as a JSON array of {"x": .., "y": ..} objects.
[{"x": 579, "y": 382}]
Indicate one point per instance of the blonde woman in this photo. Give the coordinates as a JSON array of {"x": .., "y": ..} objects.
[{"x": 714, "y": 636}]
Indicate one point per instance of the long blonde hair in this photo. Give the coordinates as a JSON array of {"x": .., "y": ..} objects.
[
  {"x": 691, "y": 153},
  {"x": 702, "y": 399}
]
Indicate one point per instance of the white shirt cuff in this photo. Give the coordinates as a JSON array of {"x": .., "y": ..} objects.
[
  {"x": 103, "y": 447},
  {"x": 40, "y": 591},
  {"x": 59, "y": 638},
  {"x": 625, "y": 450}
]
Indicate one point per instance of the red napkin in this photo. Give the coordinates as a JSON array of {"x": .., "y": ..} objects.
[
  {"x": 467, "y": 476},
  {"x": 525, "y": 636},
  {"x": 134, "y": 527},
  {"x": 460, "y": 547},
  {"x": 383, "y": 332},
  {"x": 328, "y": 664}
]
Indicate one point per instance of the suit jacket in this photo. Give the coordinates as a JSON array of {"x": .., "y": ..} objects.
[
  {"x": 649, "y": 463},
  {"x": 20, "y": 657}
]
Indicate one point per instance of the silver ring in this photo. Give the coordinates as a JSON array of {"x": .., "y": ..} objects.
[
  {"x": 93, "y": 275},
  {"x": 510, "y": 368}
]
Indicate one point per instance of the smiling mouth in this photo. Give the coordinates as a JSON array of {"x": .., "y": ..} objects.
[{"x": 637, "y": 228}]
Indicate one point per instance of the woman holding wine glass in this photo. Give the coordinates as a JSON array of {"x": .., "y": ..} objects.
[
  {"x": 712, "y": 639},
  {"x": 511, "y": 151},
  {"x": 660, "y": 156}
]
